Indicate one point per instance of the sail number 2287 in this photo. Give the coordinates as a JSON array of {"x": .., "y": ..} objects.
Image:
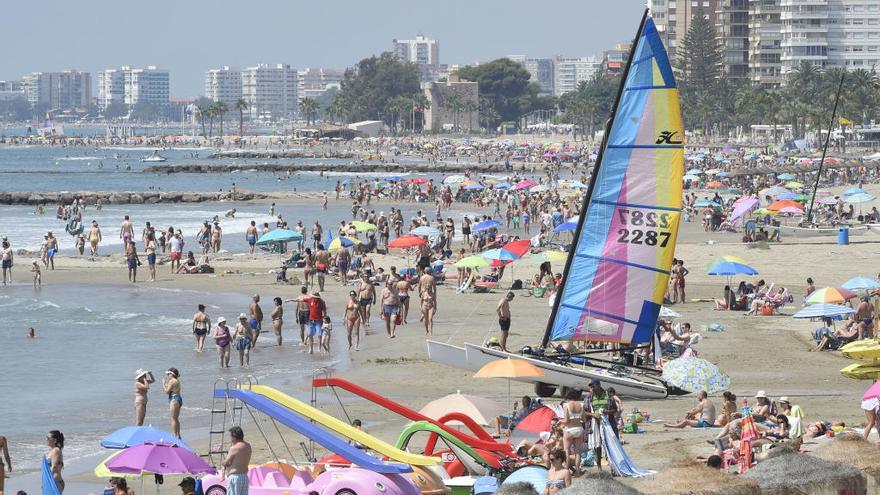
[{"x": 640, "y": 227}]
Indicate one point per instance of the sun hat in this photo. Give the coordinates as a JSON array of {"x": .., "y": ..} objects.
[
  {"x": 222, "y": 319},
  {"x": 139, "y": 373},
  {"x": 761, "y": 395},
  {"x": 242, "y": 316},
  {"x": 784, "y": 399},
  {"x": 316, "y": 294}
]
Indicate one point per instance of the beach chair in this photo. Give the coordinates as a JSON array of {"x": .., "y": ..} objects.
[{"x": 466, "y": 284}]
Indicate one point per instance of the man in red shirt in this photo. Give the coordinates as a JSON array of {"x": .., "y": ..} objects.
[{"x": 317, "y": 311}]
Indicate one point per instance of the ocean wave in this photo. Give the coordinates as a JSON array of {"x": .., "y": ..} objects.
[
  {"x": 356, "y": 174},
  {"x": 77, "y": 158}
]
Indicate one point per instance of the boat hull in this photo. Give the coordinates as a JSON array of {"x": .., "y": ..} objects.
[{"x": 473, "y": 357}]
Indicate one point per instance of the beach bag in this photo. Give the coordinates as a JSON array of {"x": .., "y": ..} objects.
[{"x": 588, "y": 458}]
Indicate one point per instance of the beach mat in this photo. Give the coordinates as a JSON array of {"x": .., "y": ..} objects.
[{"x": 621, "y": 464}]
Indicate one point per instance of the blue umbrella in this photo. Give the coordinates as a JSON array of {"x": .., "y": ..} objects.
[
  {"x": 329, "y": 236},
  {"x": 393, "y": 178},
  {"x": 279, "y": 235},
  {"x": 425, "y": 231},
  {"x": 861, "y": 283},
  {"x": 853, "y": 191},
  {"x": 486, "y": 225},
  {"x": 130, "y": 436},
  {"x": 788, "y": 195},
  {"x": 702, "y": 203},
  {"x": 565, "y": 227},
  {"x": 503, "y": 185},
  {"x": 694, "y": 171},
  {"x": 499, "y": 254},
  {"x": 785, "y": 176},
  {"x": 857, "y": 198},
  {"x": 474, "y": 187},
  {"x": 823, "y": 310}
]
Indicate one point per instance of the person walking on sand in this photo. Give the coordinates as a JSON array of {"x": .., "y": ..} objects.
[
  {"x": 353, "y": 320},
  {"x": 176, "y": 243},
  {"x": 428, "y": 296},
  {"x": 171, "y": 384},
  {"x": 256, "y": 320},
  {"x": 234, "y": 468},
  {"x": 390, "y": 306},
  {"x": 131, "y": 258},
  {"x": 223, "y": 339},
  {"x": 7, "y": 467},
  {"x": 250, "y": 235},
  {"x": 317, "y": 232},
  {"x": 201, "y": 324},
  {"x": 366, "y": 293},
  {"x": 150, "y": 249},
  {"x": 243, "y": 337},
  {"x": 38, "y": 276},
  {"x": 317, "y": 312},
  {"x": 142, "y": 381},
  {"x": 326, "y": 332},
  {"x": 278, "y": 318},
  {"x": 322, "y": 264},
  {"x": 503, "y": 310},
  {"x": 95, "y": 237},
  {"x": 126, "y": 231},
  {"x": 51, "y": 249},
  {"x": 7, "y": 256},
  {"x": 302, "y": 313}
]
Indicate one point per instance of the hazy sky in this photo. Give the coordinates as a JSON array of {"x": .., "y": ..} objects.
[{"x": 187, "y": 37}]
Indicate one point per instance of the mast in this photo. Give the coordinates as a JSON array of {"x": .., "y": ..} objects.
[
  {"x": 583, "y": 214},
  {"x": 825, "y": 148}
]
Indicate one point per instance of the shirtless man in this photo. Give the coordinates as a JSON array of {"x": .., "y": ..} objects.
[
  {"x": 256, "y": 318},
  {"x": 503, "y": 311},
  {"x": 126, "y": 231},
  {"x": 343, "y": 261},
  {"x": 302, "y": 313},
  {"x": 865, "y": 316},
  {"x": 4, "y": 448},
  {"x": 317, "y": 232},
  {"x": 7, "y": 256},
  {"x": 390, "y": 306},
  {"x": 322, "y": 264},
  {"x": 51, "y": 249},
  {"x": 235, "y": 467},
  {"x": 250, "y": 235},
  {"x": 216, "y": 237},
  {"x": 148, "y": 229},
  {"x": 201, "y": 324},
  {"x": 702, "y": 416},
  {"x": 428, "y": 295},
  {"x": 366, "y": 298}
]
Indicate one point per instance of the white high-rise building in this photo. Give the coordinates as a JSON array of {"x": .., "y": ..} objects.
[
  {"x": 223, "y": 84},
  {"x": 854, "y": 34},
  {"x": 804, "y": 25},
  {"x": 59, "y": 90},
  {"x": 542, "y": 72},
  {"x": 422, "y": 51},
  {"x": 313, "y": 82},
  {"x": 569, "y": 72},
  {"x": 132, "y": 86},
  {"x": 270, "y": 91}
]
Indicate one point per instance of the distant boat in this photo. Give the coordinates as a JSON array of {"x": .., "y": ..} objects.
[{"x": 154, "y": 158}]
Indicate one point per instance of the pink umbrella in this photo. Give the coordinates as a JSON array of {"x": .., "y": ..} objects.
[
  {"x": 158, "y": 458},
  {"x": 791, "y": 209},
  {"x": 873, "y": 392},
  {"x": 524, "y": 184},
  {"x": 745, "y": 205}
]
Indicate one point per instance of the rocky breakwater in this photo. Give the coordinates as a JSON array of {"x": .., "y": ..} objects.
[
  {"x": 276, "y": 154},
  {"x": 391, "y": 168},
  {"x": 146, "y": 197}
]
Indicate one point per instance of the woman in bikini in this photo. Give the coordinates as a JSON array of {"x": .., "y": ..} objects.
[
  {"x": 7, "y": 467},
  {"x": 309, "y": 268},
  {"x": 353, "y": 320},
  {"x": 94, "y": 237},
  {"x": 278, "y": 318},
  {"x": 558, "y": 476},
  {"x": 403, "y": 290},
  {"x": 171, "y": 384},
  {"x": 141, "y": 389},
  {"x": 573, "y": 427},
  {"x": 55, "y": 458}
]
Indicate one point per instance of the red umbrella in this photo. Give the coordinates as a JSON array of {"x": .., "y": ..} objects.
[
  {"x": 784, "y": 203},
  {"x": 406, "y": 241},
  {"x": 419, "y": 180},
  {"x": 519, "y": 248},
  {"x": 532, "y": 425}
]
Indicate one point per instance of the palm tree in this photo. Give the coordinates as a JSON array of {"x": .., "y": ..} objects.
[
  {"x": 202, "y": 112},
  {"x": 219, "y": 109},
  {"x": 309, "y": 108},
  {"x": 241, "y": 105}
]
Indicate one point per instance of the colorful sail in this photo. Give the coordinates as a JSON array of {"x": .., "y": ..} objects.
[{"x": 620, "y": 263}]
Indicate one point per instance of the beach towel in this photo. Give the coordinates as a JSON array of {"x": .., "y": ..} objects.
[
  {"x": 621, "y": 464},
  {"x": 48, "y": 481},
  {"x": 796, "y": 422}
]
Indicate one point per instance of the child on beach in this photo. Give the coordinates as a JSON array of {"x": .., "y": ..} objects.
[
  {"x": 38, "y": 277},
  {"x": 326, "y": 329}
]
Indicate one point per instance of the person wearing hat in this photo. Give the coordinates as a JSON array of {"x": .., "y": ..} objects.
[
  {"x": 142, "y": 380},
  {"x": 762, "y": 410},
  {"x": 187, "y": 486},
  {"x": 243, "y": 338},
  {"x": 222, "y": 339}
]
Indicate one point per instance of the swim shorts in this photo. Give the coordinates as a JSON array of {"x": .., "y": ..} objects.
[
  {"x": 7, "y": 263},
  {"x": 504, "y": 323},
  {"x": 50, "y": 252},
  {"x": 390, "y": 309},
  {"x": 132, "y": 264},
  {"x": 256, "y": 325},
  {"x": 315, "y": 328},
  {"x": 175, "y": 255},
  {"x": 366, "y": 301},
  {"x": 252, "y": 240},
  {"x": 703, "y": 424},
  {"x": 151, "y": 259},
  {"x": 302, "y": 317},
  {"x": 242, "y": 343},
  {"x": 237, "y": 484},
  {"x": 200, "y": 331}
]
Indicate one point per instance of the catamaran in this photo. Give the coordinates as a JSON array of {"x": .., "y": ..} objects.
[{"x": 618, "y": 268}]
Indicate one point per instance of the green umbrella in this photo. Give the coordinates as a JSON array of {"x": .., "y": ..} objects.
[
  {"x": 363, "y": 226},
  {"x": 475, "y": 261}
]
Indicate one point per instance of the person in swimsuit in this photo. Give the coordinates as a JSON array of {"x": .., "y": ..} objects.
[
  {"x": 142, "y": 382},
  {"x": 302, "y": 313},
  {"x": 250, "y": 235},
  {"x": 150, "y": 249},
  {"x": 309, "y": 268},
  {"x": 353, "y": 319},
  {"x": 403, "y": 286},
  {"x": 4, "y": 468},
  {"x": 126, "y": 231},
  {"x": 131, "y": 257},
  {"x": 366, "y": 298},
  {"x": 558, "y": 476},
  {"x": 573, "y": 427},
  {"x": 171, "y": 384},
  {"x": 216, "y": 237},
  {"x": 222, "y": 339},
  {"x": 256, "y": 320},
  {"x": 278, "y": 318},
  {"x": 55, "y": 458},
  {"x": 95, "y": 237},
  {"x": 343, "y": 260},
  {"x": 322, "y": 264},
  {"x": 243, "y": 338},
  {"x": 326, "y": 330},
  {"x": 201, "y": 324},
  {"x": 51, "y": 249},
  {"x": 428, "y": 295},
  {"x": 235, "y": 467},
  {"x": 7, "y": 256},
  {"x": 503, "y": 311},
  {"x": 390, "y": 306}
]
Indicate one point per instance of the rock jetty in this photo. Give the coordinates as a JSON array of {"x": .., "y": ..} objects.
[
  {"x": 391, "y": 168},
  {"x": 276, "y": 154},
  {"x": 145, "y": 197}
]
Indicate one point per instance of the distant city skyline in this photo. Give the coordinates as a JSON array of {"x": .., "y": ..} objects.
[{"x": 189, "y": 38}]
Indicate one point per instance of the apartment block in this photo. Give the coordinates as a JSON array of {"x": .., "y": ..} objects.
[
  {"x": 270, "y": 91},
  {"x": 223, "y": 84},
  {"x": 58, "y": 90}
]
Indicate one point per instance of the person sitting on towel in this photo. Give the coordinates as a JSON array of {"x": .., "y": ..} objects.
[{"x": 702, "y": 416}]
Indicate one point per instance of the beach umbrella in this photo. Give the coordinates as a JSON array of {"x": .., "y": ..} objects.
[
  {"x": 690, "y": 178},
  {"x": 861, "y": 283},
  {"x": 406, "y": 241},
  {"x": 714, "y": 184},
  {"x": 702, "y": 203},
  {"x": 789, "y": 195},
  {"x": 694, "y": 171},
  {"x": 363, "y": 226},
  {"x": 713, "y": 171},
  {"x": 474, "y": 187},
  {"x": 572, "y": 184},
  {"x": 524, "y": 184},
  {"x": 483, "y": 411},
  {"x": 475, "y": 261},
  {"x": 552, "y": 256},
  {"x": 694, "y": 374},
  {"x": 779, "y": 205},
  {"x": 743, "y": 206},
  {"x": 539, "y": 188},
  {"x": 667, "y": 313},
  {"x": 765, "y": 211},
  {"x": 454, "y": 179},
  {"x": 859, "y": 198},
  {"x": 792, "y": 209},
  {"x": 722, "y": 174},
  {"x": 794, "y": 184},
  {"x": 485, "y": 225},
  {"x": 342, "y": 242},
  {"x": 499, "y": 254},
  {"x": 394, "y": 178},
  {"x": 853, "y": 191},
  {"x": 519, "y": 248},
  {"x": 531, "y": 426},
  {"x": 823, "y": 310},
  {"x": 730, "y": 266},
  {"x": 158, "y": 458},
  {"x": 425, "y": 231},
  {"x": 565, "y": 227},
  {"x": 278, "y": 236},
  {"x": 732, "y": 191},
  {"x": 828, "y": 201},
  {"x": 785, "y": 176},
  {"x": 774, "y": 191},
  {"x": 509, "y": 368},
  {"x": 129, "y": 436},
  {"x": 503, "y": 185},
  {"x": 829, "y": 295},
  {"x": 102, "y": 471}
]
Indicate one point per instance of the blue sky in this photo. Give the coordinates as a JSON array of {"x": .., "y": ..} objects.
[{"x": 188, "y": 37}]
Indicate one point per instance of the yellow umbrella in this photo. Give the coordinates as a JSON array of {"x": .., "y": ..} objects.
[
  {"x": 553, "y": 256},
  {"x": 101, "y": 471},
  {"x": 794, "y": 185},
  {"x": 342, "y": 242}
]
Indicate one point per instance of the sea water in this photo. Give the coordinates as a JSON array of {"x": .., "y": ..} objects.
[{"x": 77, "y": 376}]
